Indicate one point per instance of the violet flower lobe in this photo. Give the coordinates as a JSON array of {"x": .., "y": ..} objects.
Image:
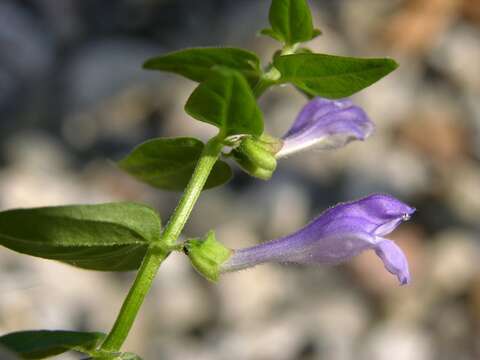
[
  {"x": 326, "y": 124},
  {"x": 337, "y": 235}
]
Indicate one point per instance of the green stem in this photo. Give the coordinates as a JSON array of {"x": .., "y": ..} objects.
[
  {"x": 261, "y": 87},
  {"x": 194, "y": 188},
  {"x": 156, "y": 254},
  {"x": 272, "y": 75},
  {"x": 152, "y": 261},
  {"x": 268, "y": 79}
]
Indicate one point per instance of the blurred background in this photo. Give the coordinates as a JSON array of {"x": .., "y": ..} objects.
[{"x": 73, "y": 98}]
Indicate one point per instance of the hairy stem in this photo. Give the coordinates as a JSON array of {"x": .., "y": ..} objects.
[
  {"x": 268, "y": 79},
  {"x": 272, "y": 75},
  {"x": 159, "y": 251},
  {"x": 152, "y": 261},
  {"x": 182, "y": 212}
]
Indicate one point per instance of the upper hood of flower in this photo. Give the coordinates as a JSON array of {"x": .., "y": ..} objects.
[{"x": 377, "y": 214}]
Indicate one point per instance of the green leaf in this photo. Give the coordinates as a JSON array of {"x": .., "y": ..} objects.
[
  {"x": 196, "y": 64},
  {"x": 38, "y": 344},
  {"x": 332, "y": 76},
  {"x": 106, "y": 237},
  {"x": 269, "y": 32},
  {"x": 291, "y": 22},
  {"x": 169, "y": 163},
  {"x": 226, "y": 101}
]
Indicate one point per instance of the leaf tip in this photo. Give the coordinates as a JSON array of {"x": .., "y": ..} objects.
[
  {"x": 147, "y": 64},
  {"x": 391, "y": 64},
  {"x": 316, "y": 32},
  {"x": 271, "y": 34}
]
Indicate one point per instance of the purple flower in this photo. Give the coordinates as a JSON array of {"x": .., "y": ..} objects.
[
  {"x": 337, "y": 235},
  {"x": 326, "y": 124}
]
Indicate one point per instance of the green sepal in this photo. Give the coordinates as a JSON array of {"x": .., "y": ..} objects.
[
  {"x": 168, "y": 164},
  {"x": 331, "y": 76},
  {"x": 226, "y": 101},
  {"x": 197, "y": 63},
  {"x": 39, "y": 344},
  {"x": 104, "y": 237},
  {"x": 291, "y": 22},
  {"x": 269, "y": 143},
  {"x": 207, "y": 255},
  {"x": 256, "y": 156},
  {"x": 249, "y": 167}
]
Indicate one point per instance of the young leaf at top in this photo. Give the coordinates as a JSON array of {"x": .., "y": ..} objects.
[
  {"x": 331, "y": 76},
  {"x": 39, "y": 344},
  {"x": 225, "y": 100},
  {"x": 105, "y": 237},
  {"x": 291, "y": 22},
  {"x": 169, "y": 163},
  {"x": 196, "y": 64}
]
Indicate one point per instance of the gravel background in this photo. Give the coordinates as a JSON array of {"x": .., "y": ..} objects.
[{"x": 73, "y": 97}]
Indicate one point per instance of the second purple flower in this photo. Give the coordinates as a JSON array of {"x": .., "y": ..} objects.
[{"x": 326, "y": 124}]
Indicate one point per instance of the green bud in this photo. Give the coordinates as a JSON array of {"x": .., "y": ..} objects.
[
  {"x": 250, "y": 167},
  {"x": 207, "y": 255},
  {"x": 257, "y": 156},
  {"x": 257, "y": 153}
]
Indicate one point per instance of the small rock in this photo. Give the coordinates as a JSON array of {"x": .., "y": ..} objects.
[
  {"x": 391, "y": 341},
  {"x": 455, "y": 255}
]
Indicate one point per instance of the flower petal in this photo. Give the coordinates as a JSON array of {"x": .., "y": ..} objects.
[
  {"x": 380, "y": 213},
  {"x": 314, "y": 109},
  {"x": 326, "y": 124},
  {"x": 394, "y": 260}
]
